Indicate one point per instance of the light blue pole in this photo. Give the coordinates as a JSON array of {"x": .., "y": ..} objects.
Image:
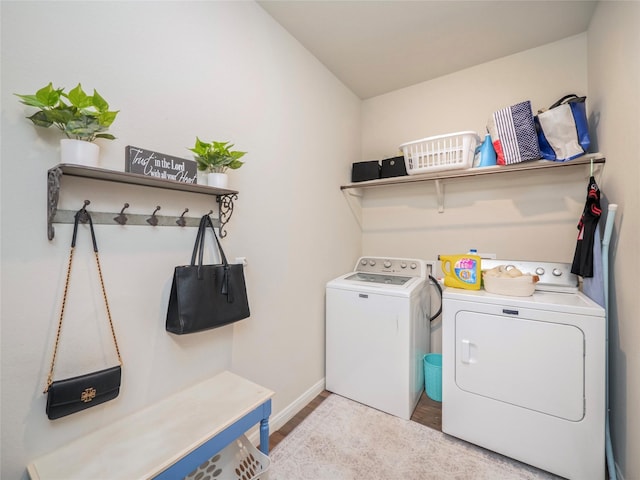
[{"x": 608, "y": 228}]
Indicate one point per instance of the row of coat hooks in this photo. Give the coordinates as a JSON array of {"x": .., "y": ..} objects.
[
  {"x": 122, "y": 219},
  {"x": 125, "y": 218}
]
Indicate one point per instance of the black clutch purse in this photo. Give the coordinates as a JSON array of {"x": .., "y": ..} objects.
[
  {"x": 75, "y": 394},
  {"x": 72, "y": 395}
]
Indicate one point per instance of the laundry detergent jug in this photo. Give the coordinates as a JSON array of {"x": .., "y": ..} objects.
[
  {"x": 486, "y": 152},
  {"x": 461, "y": 271}
]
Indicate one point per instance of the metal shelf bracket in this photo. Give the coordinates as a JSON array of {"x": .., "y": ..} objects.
[
  {"x": 354, "y": 199},
  {"x": 53, "y": 193},
  {"x": 440, "y": 195},
  {"x": 225, "y": 210}
]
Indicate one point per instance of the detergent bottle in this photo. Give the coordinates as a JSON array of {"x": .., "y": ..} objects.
[
  {"x": 487, "y": 157},
  {"x": 461, "y": 271}
]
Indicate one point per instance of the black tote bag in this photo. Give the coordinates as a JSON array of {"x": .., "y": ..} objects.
[{"x": 206, "y": 296}]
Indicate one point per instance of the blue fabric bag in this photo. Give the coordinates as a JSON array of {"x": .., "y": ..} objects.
[{"x": 563, "y": 129}]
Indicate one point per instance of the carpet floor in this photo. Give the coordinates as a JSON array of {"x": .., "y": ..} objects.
[{"x": 345, "y": 440}]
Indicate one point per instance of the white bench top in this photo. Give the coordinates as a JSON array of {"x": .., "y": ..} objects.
[{"x": 142, "y": 445}]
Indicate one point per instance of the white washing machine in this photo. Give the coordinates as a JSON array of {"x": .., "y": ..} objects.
[
  {"x": 525, "y": 376},
  {"x": 377, "y": 333}
]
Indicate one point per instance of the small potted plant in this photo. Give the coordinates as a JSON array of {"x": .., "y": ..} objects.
[
  {"x": 83, "y": 119},
  {"x": 215, "y": 158}
]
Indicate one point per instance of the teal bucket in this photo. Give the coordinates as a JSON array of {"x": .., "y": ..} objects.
[{"x": 433, "y": 376}]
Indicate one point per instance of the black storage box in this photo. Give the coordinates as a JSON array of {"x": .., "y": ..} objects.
[
  {"x": 362, "y": 171},
  {"x": 393, "y": 167}
]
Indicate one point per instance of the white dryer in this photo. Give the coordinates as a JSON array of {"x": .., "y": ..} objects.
[
  {"x": 525, "y": 376},
  {"x": 377, "y": 333}
]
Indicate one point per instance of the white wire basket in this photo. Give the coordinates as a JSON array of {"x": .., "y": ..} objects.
[
  {"x": 239, "y": 460},
  {"x": 443, "y": 152}
]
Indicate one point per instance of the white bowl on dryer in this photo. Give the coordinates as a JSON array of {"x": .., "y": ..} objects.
[{"x": 506, "y": 280}]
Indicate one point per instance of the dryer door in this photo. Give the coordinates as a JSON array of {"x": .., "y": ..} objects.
[{"x": 529, "y": 363}]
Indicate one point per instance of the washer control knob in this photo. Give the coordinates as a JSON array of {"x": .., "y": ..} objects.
[
  {"x": 403, "y": 265},
  {"x": 372, "y": 263},
  {"x": 363, "y": 262},
  {"x": 413, "y": 266},
  {"x": 539, "y": 271},
  {"x": 557, "y": 272},
  {"x": 387, "y": 264}
]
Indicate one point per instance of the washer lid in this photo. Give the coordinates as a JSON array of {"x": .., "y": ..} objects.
[
  {"x": 354, "y": 282},
  {"x": 378, "y": 278}
]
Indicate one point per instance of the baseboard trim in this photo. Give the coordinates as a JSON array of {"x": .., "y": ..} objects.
[{"x": 278, "y": 420}]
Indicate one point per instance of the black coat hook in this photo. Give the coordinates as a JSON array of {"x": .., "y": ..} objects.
[
  {"x": 153, "y": 220},
  {"x": 122, "y": 218},
  {"x": 82, "y": 213},
  {"x": 182, "y": 221}
]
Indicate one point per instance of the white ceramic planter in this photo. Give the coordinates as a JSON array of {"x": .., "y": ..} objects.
[
  {"x": 220, "y": 180},
  {"x": 79, "y": 152}
]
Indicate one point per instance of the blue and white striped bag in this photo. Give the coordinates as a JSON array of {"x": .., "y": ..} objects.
[{"x": 513, "y": 134}]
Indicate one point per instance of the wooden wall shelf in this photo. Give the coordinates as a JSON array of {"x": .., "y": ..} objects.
[
  {"x": 224, "y": 197},
  {"x": 438, "y": 177}
]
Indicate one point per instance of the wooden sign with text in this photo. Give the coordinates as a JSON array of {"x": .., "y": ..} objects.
[{"x": 159, "y": 165}]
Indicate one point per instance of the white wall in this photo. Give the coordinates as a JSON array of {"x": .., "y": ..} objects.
[
  {"x": 529, "y": 216},
  {"x": 219, "y": 70},
  {"x": 499, "y": 214},
  {"x": 614, "y": 90},
  {"x": 464, "y": 100}
]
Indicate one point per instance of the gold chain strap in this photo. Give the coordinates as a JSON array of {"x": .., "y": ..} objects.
[
  {"x": 64, "y": 302},
  {"x": 106, "y": 304}
]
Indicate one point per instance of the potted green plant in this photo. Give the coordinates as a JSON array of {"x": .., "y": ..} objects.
[
  {"x": 82, "y": 118},
  {"x": 215, "y": 158}
]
